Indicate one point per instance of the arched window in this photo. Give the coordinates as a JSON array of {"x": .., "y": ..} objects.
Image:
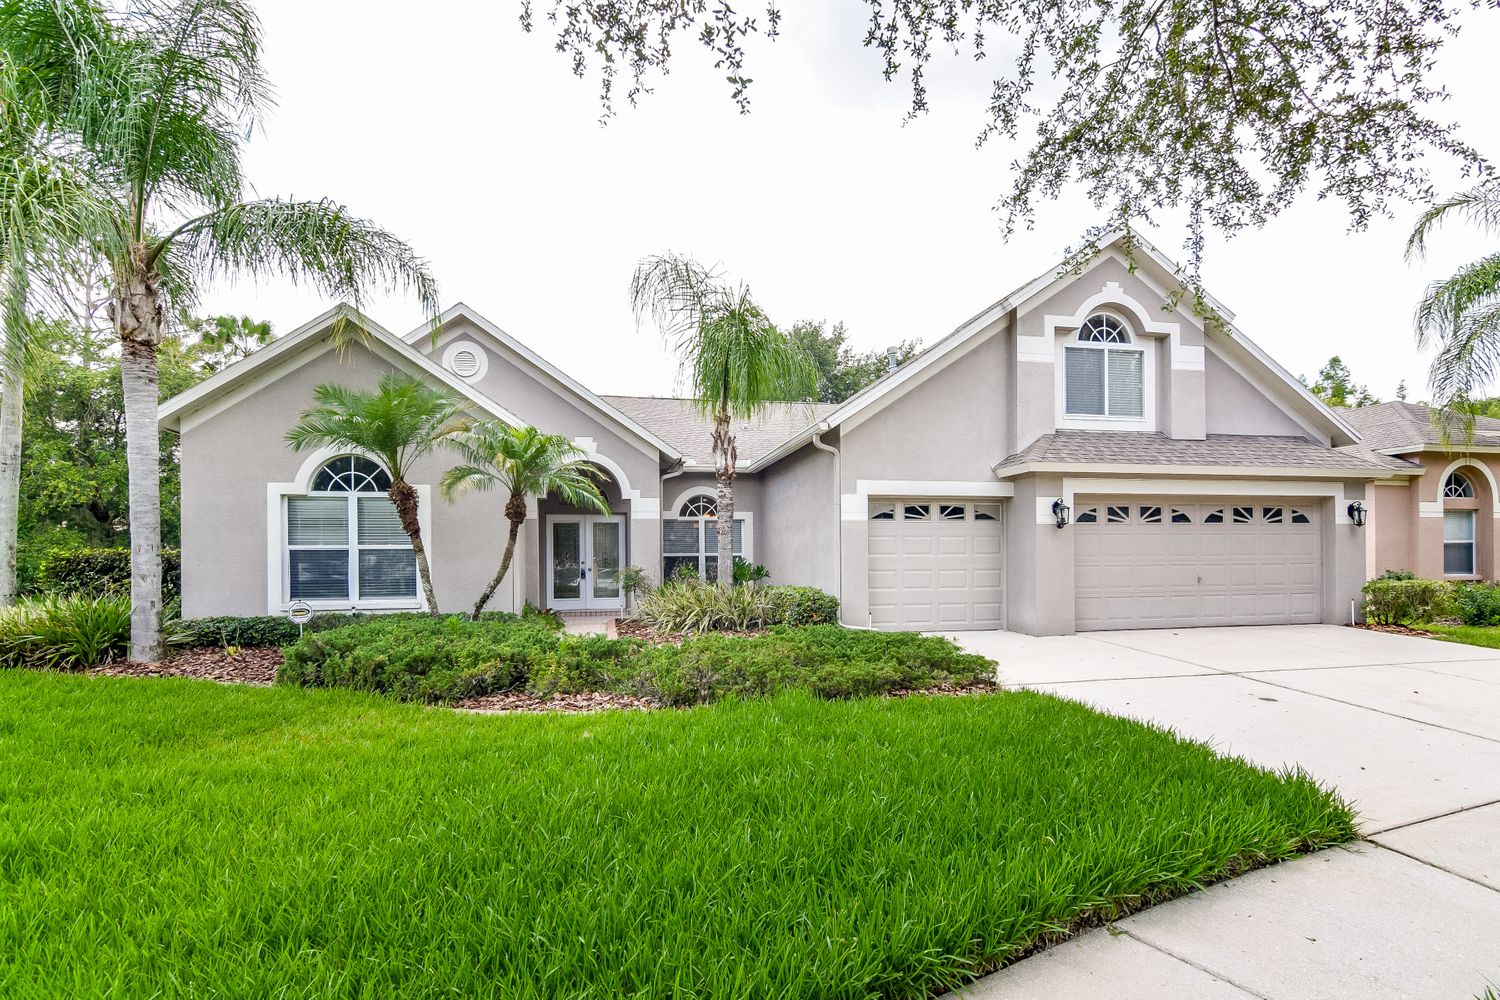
[
  {"x": 690, "y": 541},
  {"x": 345, "y": 546},
  {"x": 1458, "y": 487},
  {"x": 1104, "y": 371}
]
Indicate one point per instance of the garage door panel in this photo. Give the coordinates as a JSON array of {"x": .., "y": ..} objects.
[
  {"x": 936, "y": 564},
  {"x": 1165, "y": 563}
]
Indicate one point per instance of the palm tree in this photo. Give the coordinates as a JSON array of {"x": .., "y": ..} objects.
[
  {"x": 397, "y": 425},
  {"x": 1461, "y": 313},
  {"x": 165, "y": 94},
  {"x": 524, "y": 462},
  {"x": 732, "y": 359}
]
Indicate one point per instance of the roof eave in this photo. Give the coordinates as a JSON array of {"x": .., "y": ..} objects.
[{"x": 1212, "y": 471}]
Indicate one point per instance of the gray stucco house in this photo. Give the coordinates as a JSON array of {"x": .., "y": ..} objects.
[{"x": 1201, "y": 484}]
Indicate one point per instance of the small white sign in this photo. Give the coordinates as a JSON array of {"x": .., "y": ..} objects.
[{"x": 300, "y": 612}]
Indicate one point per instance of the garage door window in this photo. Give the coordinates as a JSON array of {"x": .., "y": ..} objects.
[{"x": 1458, "y": 543}]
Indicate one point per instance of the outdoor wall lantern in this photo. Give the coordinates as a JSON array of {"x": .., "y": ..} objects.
[
  {"x": 1061, "y": 511},
  {"x": 1357, "y": 514}
]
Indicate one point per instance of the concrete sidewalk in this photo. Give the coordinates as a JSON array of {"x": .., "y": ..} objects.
[{"x": 1408, "y": 729}]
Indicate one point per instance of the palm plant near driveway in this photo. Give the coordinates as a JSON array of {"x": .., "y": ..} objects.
[
  {"x": 397, "y": 425},
  {"x": 1461, "y": 313},
  {"x": 162, "y": 99},
  {"x": 523, "y": 462},
  {"x": 733, "y": 361}
]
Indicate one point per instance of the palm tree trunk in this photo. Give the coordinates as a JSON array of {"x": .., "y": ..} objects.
[
  {"x": 404, "y": 496},
  {"x": 138, "y": 377},
  {"x": 10, "y": 479},
  {"x": 725, "y": 455},
  {"x": 510, "y": 551}
]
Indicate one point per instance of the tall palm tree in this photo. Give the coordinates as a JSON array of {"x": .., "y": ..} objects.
[
  {"x": 397, "y": 425},
  {"x": 732, "y": 359},
  {"x": 1461, "y": 313},
  {"x": 164, "y": 96},
  {"x": 523, "y": 462}
]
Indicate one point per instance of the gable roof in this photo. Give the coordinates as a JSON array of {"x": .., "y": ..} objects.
[
  {"x": 1062, "y": 450},
  {"x": 294, "y": 349},
  {"x": 1044, "y": 283},
  {"x": 680, "y": 422},
  {"x": 600, "y": 404},
  {"x": 1397, "y": 427}
]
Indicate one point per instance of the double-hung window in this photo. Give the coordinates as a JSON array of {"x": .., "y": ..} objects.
[
  {"x": 344, "y": 541},
  {"x": 1104, "y": 373},
  {"x": 690, "y": 541}
]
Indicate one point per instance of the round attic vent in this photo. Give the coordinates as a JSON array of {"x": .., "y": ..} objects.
[{"x": 465, "y": 359}]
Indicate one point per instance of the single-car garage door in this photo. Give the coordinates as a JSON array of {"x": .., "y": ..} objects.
[
  {"x": 936, "y": 564},
  {"x": 1158, "y": 563}
]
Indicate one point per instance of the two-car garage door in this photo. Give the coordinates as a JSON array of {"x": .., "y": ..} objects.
[{"x": 1158, "y": 563}]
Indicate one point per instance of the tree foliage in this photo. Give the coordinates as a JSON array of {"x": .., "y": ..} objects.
[
  {"x": 1226, "y": 109},
  {"x": 1336, "y": 386},
  {"x": 840, "y": 370}
]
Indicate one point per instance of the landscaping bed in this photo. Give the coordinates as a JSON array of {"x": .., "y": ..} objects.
[
  {"x": 179, "y": 840},
  {"x": 240, "y": 666}
]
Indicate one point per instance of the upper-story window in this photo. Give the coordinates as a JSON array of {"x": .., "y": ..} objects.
[
  {"x": 1458, "y": 487},
  {"x": 1105, "y": 371}
]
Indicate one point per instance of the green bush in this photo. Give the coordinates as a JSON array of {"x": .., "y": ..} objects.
[
  {"x": 1477, "y": 603},
  {"x": 94, "y": 572},
  {"x": 1397, "y": 574},
  {"x": 65, "y": 633},
  {"x": 270, "y": 631},
  {"x": 828, "y": 660},
  {"x": 1404, "y": 602},
  {"x": 420, "y": 658},
  {"x": 802, "y": 606},
  {"x": 688, "y": 607}
]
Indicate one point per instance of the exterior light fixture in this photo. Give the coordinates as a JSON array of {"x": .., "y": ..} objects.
[
  {"x": 1357, "y": 514},
  {"x": 1062, "y": 512}
]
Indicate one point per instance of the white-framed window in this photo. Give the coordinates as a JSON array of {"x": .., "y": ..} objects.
[
  {"x": 1104, "y": 371},
  {"x": 1458, "y": 487},
  {"x": 1458, "y": 543},
  {"x": 690, "y": 541},
  {"x": 344, "y": 543}
]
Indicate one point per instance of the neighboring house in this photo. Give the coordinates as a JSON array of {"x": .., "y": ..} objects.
[
  {"x": 1202, "y": 485},
  {"x": 1438, "y": 520}
]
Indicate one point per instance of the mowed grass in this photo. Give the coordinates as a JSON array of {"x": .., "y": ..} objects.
[
  {"x": 1472, "y": 635},
  {"x": 176, "y": 838}
]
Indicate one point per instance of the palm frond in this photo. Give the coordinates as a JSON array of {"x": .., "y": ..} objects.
[
  {"x": 1467, "y": 360},
  {"x": 522, "y": 461},
  {"x": 1480, "y": 206},
  {"x": 397, "y": 424},
  {"x": 316, "y": 242},
  {"x": 1444, "y": 307}
]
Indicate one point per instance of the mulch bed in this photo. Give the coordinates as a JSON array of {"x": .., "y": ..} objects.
[
  {"x": 244, "y": 666},
  {"x": 1393, "y": 630},
  {"x": 520, "y": 701}
]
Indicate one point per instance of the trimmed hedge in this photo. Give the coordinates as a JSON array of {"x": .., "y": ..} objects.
[
  {"x": 448, "y": 659},
  {"x": 802, "y": 606},
  {"x": 270, "y": 631},
  {"x": 1477, "y": 603},
  {"x": 95, "y": 572},
  {"x": 1404, "y": 602}
]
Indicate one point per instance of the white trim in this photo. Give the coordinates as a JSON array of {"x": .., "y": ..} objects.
[
  {"x": 1489, "y": 477},
  {"x": 583, "y": 602},
  {"x": 239, "y": 393},
  {"x": 460, "y": 310},
  {"x": 481, "y": 358},
  {"x": 1143, "y": 345},
  {"x": 1228, "y": 488},
  {"x": 747, "y": 534},
  {"x": 1123, "y": 469},
  {"x": 855, "y": 506},
  {"x": 276, "y": 550},
  {"x": 591, "y": 451}
]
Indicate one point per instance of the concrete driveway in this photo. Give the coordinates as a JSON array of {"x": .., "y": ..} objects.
[{"x": 1408, "y": 729}]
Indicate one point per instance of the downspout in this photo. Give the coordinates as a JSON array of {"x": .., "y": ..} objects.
[{"x": 838, "y": 514}]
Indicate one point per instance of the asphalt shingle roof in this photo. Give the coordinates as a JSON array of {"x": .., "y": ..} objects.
[
  {"x": 676, "y": 422},
  {"x": 1151, "y": 448},
  {"x": 1384, "y": 426}
]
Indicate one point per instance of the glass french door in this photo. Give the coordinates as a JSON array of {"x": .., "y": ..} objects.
[{"x": 585, "y": 553}]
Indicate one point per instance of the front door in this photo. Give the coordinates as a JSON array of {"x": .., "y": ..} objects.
[{"x": 584, "y": 555}]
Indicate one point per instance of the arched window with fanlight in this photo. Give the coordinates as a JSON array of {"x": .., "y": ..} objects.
[
  {"x": 1104, "y": 371},
  {"x": 690, "y": 540},
  {"x": 344, "y": 543},
  {"x": 1459, "y": 524}
]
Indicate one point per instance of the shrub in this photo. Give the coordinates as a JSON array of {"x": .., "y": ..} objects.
[
  {"x": 1477, "y": 603},
  {"x": 749, "y": 572},
  {"x": 1404, "y": 602},
  {"x": 94, "y": 572},
  {"x": 420, "y": 658},
  {"x": 1397, "y": 574},
  {"x": 828, "y": 660},
  {"x": 680, "y": 606},
  {"x": 270, "y": 631},
  {"x": 802, "y": 606},
  {"x": 65, "y": 633}
]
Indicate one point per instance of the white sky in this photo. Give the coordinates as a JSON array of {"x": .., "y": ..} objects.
[{"x": 474, "y": 142}]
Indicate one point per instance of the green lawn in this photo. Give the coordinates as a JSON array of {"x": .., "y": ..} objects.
[
  {"x": 1473, "y": 635},
  {"x": 173, "y": 838}
]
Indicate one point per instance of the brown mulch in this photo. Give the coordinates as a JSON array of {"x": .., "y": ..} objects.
[
  {"x": 1393, "y": 629},
  {"x": 243, "y": 666},
  {"x": 520, "y": 701}
]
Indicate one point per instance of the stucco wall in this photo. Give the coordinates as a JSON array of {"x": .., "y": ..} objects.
[
  {"x": 228, "y": 460},
  {"x": 1235, "y": 406},
  {"x": 1409, "y": 522},
  {"x": 797, "y": 540}
]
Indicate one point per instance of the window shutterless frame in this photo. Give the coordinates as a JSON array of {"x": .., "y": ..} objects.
[{"x": 343, "y": 543}]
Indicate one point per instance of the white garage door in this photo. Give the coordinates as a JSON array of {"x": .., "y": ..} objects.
[
  {"x": 1159, "y": 563},
  {"x": 936, "y": 564}
]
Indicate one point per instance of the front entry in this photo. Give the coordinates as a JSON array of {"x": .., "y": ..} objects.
[{"x": 584, "y": 555}]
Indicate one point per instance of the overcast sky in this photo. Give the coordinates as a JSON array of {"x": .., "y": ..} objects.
[{"x": 447, "y": 124}]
